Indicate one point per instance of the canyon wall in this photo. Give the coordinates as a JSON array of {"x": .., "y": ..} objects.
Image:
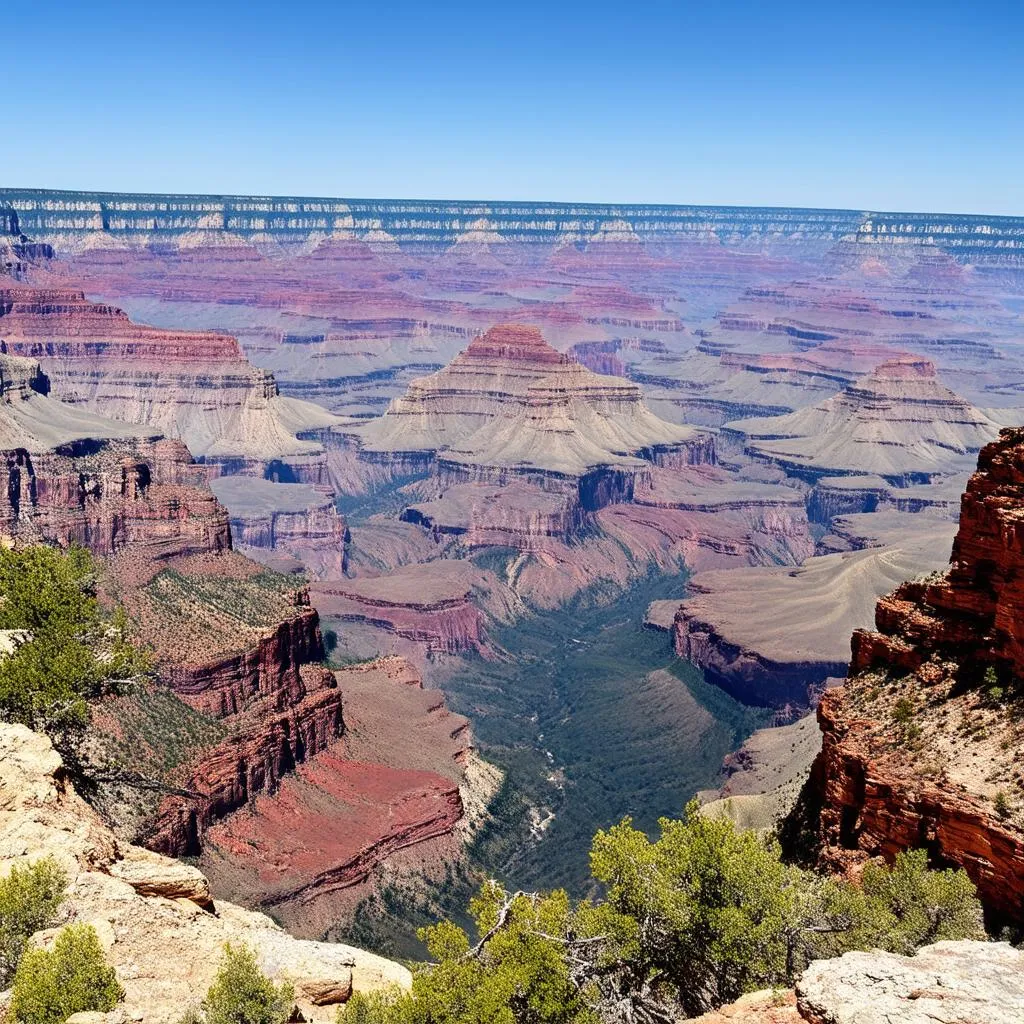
[
  {"x": 68, "y": 219},
  {"x": 921, "y": 748}
]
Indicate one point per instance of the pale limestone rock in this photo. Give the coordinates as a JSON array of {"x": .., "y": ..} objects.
[
  {"x": 948, "y": 983},
  {"x": 152, "y": 875},
  {"x": 154, "y": 918}
]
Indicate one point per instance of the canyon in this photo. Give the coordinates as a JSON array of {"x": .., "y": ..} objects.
[
  {"x": 476, "y": 430},
  {"x": 241, "y": 700}
]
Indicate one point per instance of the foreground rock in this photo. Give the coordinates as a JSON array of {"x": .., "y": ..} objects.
[
  {"x": 922, "y": 747},
  {"x": 154, "y": 916},
  {"x": 948, "y": 983}
]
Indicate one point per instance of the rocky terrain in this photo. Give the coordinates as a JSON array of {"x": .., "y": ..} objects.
[
  {"x": 772, "y": 635},
  {"x": 196, "y": 386},
  {"x": 242, "y": 700},
  {"x": 920, "y": 747},
  {"x": 402, "y": 788},
  {"x": 898, "y": 422},
  {"x": 290, "y": 527},
  {"x": 160, "y": 926},
  {"x": 784, "y": 403},
  {"x": 948, "y": 983}
]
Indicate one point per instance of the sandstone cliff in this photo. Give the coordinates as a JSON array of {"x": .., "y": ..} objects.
[
  {"x": 161, "y": 930},
  {"x": 922, "y": 746},
  {"x": 188, "y": 384}
]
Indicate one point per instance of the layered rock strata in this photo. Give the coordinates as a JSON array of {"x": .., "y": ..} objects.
[
  {"x": 511, "y": 407},
  {"x": 161, "y": 930},
  {"x": 898, "y": 423},
  {"x": 772, "y": 635},
  {"x": 187, "y": 384},
  {"x": 396, "y": 788},
  {"x": 275, "y": 523},
  {"x": 78, "y": 219},
  {"x": 922, "y": 747}
]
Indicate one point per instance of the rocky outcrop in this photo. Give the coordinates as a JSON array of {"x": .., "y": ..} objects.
[
  {"x": 160, "y": 929},
  {"x": 292, "y": 521},
  {"x": 963, "y": 982},
  {"x": 921, "y": 748},
  {"x": 397, "y": 788},
  {"x": 188, "y": 384},
  {"x": 512, "y": 407},
  {"x": 442, "y": 606},
  {"x": 948, "y": 983},
  {"x": 253, "y": 760}
]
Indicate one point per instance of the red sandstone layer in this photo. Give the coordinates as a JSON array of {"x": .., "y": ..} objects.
[{"x": 922, "y": 746}]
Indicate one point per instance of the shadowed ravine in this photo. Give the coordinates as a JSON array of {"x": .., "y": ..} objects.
[{"x": 592, "y": 718}]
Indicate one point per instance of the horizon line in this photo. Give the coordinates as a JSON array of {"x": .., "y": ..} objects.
[{"x": 856, "y": 211}]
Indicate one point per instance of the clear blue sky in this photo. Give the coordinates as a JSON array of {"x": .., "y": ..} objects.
[{"x": 869, "y": 105}]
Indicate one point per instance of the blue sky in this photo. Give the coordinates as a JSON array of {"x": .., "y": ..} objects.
[{"x": 869, "y": 105}]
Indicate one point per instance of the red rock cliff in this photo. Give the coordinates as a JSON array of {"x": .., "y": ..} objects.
[{"x": 922, "y": 747}]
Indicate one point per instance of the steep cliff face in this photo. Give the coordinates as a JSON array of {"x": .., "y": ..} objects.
[
  {"x": 922, "y": 746},
  {"x": 392, "y": 790},
  {"x": 276, "y": 522}
]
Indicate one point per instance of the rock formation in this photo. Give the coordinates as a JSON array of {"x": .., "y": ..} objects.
[
  {"x": 771, "y": 635},
  {"x": 898, "y": 423},
  {"x": 510, "y": 406},
  {"x": 921, "y": 746},
  {"x": 964, "y": 982},
  {"x": 242, "y": 701},
  {"x": 196, "y": 386},
  {"x": 76, "y": 219},
  {"x": 286, "y": 526},
  {"x": 399, "y": 788},
  {"x": 161, "y": 930}
]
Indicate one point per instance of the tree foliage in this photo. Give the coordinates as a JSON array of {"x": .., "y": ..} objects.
[
  {"x": 689, "y": 921},
  {"x": 242, "y": 994},
  {"x": 67, "y": 648},
  {"x": 29, "y": 899},
  {"x": 73, "y": 977}
]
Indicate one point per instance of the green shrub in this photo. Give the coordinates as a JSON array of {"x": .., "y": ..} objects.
[
  {"x": 690, "y": 920},
  {"x": 242, "y": 994},
  {"x": 73, "y": 977},
  {"x": 908, "y": 906},
  {"x": 72, "y": 650},
  {"x": 1002, "y": 805},
  {"x": 29, "y": 899},
  {"x": 903, "y": 711}
]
